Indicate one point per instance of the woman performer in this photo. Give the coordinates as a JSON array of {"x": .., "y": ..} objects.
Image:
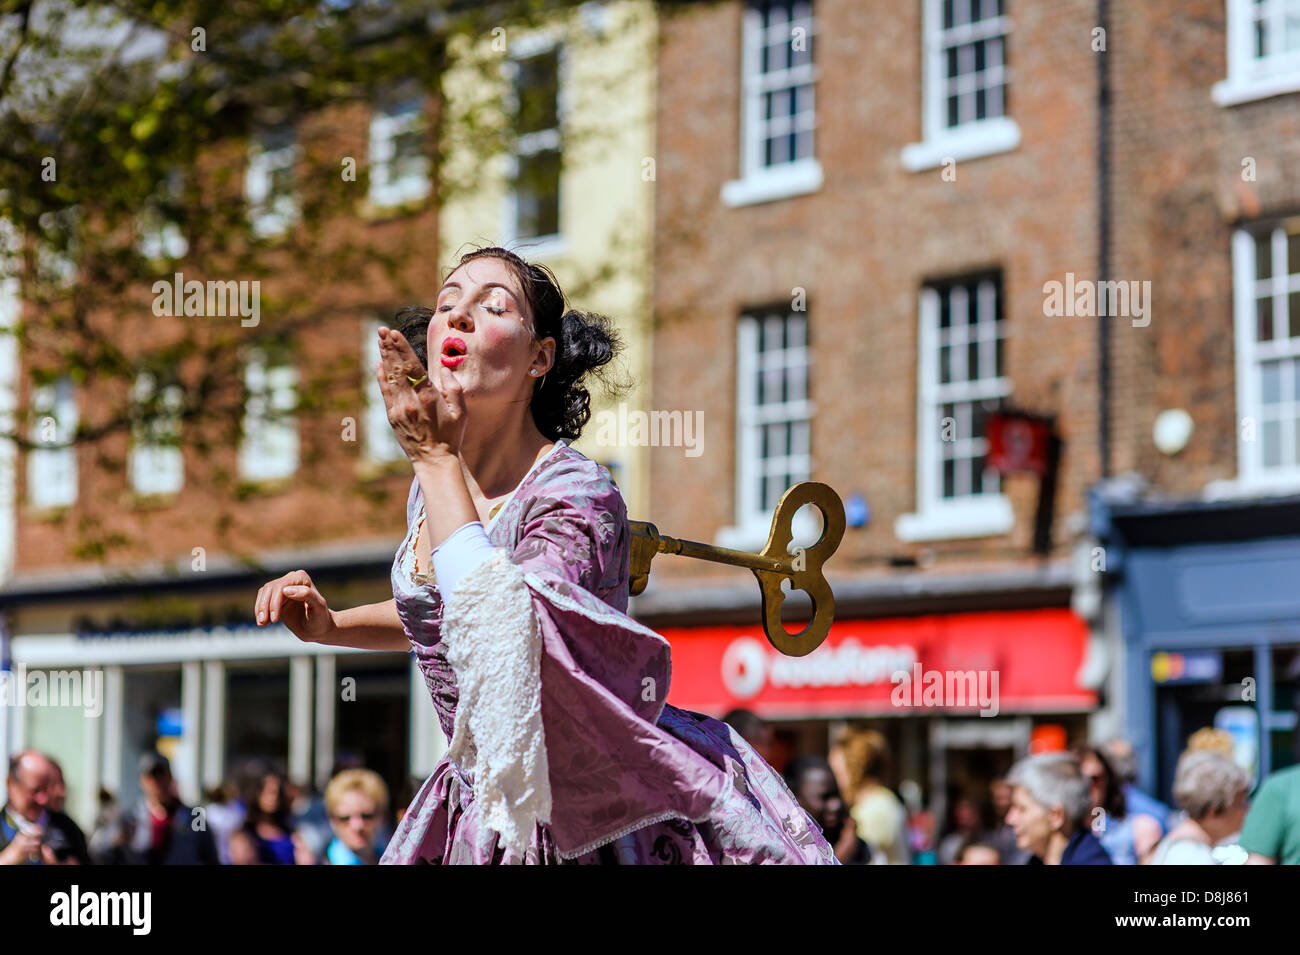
[{"x": 513, "y": 589}]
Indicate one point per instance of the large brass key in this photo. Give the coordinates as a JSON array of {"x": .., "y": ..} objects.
[{"x": 771, "y": 566}]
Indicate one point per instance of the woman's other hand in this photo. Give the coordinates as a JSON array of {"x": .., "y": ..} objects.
[
  {"x": 294, "y": 601},
  {"x": 428, "y": 418}
]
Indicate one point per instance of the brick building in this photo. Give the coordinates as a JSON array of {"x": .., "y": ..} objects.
[{"x": 859, "y": 213}]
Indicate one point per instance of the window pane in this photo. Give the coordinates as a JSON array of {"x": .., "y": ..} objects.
[
  {"x": 798, "y": 382},
  {"x": 796, "y": 331},
  {"x": 977, "y": 475},
  {"x": 1271, "y": 438},
  {"x": 1264, "y": 319},
  {"x": 538, "y": 194},
  {"x": 945, "y": 365},
  {"x": 1263, "y": 257},
  {"x": 799, "y": 443},
  {"x": 1293, "y": 254},
  {"x": 538, "y": 91},
  {"x": 774, "y": 487},
  {"x": 949, "y": 477},
  {"x": 1270, "y": 383}
]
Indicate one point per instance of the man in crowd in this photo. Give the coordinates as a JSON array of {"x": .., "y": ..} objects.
[
  {"x": 1271, "y": 834},
  {"x": 32, "y": 830},
  {"x": 160, "y": 829},
  {"x": 813, "y": 783}
]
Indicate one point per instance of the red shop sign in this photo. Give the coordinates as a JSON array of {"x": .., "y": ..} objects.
[{"x": 997, "y": 662}]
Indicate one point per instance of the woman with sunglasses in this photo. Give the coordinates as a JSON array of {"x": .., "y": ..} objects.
[{"x": 355, "y": 800}]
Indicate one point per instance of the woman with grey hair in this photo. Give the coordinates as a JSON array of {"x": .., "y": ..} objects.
[
  {"x": 1214, "y": 791},
  {"x": 1049, "y": 810}
]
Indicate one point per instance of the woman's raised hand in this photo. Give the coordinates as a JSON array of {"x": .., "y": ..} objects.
[
  {"x": 429, "y": 417},
  {"x": 294, "y": 601}
]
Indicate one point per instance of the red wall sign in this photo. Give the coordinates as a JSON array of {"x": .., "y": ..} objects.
[
  {"x": 1023, "y": 660},
  {"x": 1017, "y": 444}
]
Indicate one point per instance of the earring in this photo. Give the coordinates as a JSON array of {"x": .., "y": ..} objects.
[{"x": 533, "y": 372}]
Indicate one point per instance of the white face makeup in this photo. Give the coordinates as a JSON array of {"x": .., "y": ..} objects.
[{"x": 481, "y": 331}]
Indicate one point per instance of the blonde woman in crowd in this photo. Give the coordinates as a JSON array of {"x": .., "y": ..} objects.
[
  {"x": 860, "y": 759},
  {"x": 355, "y": 800}
]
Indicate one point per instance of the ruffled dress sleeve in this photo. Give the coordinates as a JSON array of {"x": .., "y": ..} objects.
[{"x": 560, "y": 690}]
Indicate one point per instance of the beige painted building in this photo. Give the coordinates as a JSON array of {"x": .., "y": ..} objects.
[{"x": 549, "y": 142}]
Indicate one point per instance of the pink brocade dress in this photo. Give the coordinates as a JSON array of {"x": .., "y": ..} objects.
[{"x": 563, "y": 750}]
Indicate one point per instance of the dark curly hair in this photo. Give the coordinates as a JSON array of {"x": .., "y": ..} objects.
[{"x": 585, "y": 344}]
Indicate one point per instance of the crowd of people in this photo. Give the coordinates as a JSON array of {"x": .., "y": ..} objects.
[
  {"x": 1080, "y": 807},
  {"x": 1077, "y": 807},
  {"x": 258, "y": 818}
]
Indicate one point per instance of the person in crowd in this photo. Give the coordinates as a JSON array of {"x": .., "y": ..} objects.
[
  {"x": 753, "y": 729},
  {"x": 1003, "y": 837},
  {"x": 879, "y": 814},
  {"x": 267, "y": 836},
  {"x": 1215, "y": 793},
  {"x": 1049, "y": 811},
  {"x": 1271, "y": 833},
  {"x": 58, "y": 787},
  {"x": 813, "y": 783},
  {"x": 32, "y": 832},
  {"x": 225, "y": 813},
  {"x": 106, "y": 845},
  {"x": 966, "y": 825},
  {"x": 160, "y": 829},
  {"x": 1123, "y": 761},
  {"x": 1127, "y": 838},
  {"x": 976, "y": 851},
  {"x": 311, "y": 818},
  {"x": 356, "y": 800},
  {"x": 1211, "y": 739}
]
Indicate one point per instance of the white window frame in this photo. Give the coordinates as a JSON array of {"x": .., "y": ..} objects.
[
  {"x": 270, "y": 447},
  {"x": 387, "y": 123},
  {"x": 1252, "y": 476},
  {"x": 970, "y": 140},
  {"x": 757, "y": 182},
  {"x": 157, "y": 465},
  {"x": 1251, "y": 77},
  {"x": 754, "y": 523},
  {"x": 269, "y": 215},
  {"x": 380, "y": 444},
  {"x": 51, "y": 469},
  {"x": 937, "y": 517},
  {"x": 524, "y": 48}
]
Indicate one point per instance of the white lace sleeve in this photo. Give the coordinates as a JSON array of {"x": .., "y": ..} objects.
[{"x": 494, "y": 646}]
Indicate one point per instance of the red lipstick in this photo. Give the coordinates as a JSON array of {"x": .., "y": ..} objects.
[{"x": 453, "y": 352}]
